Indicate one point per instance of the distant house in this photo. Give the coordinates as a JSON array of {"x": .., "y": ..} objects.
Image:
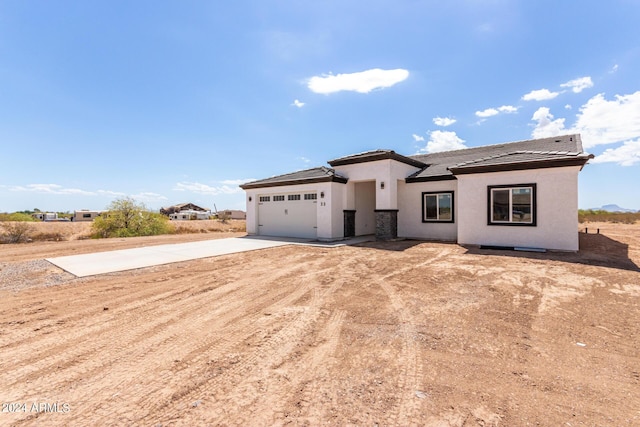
[
  {"x": 45, "y": 216},
  {"x": 182, "y": 207},
  {"x": 188, "y": 215},
  {"x": 85, "y": 215},
  {"x": 519, "y": 194},
  {"x": 233, "y": 214}
]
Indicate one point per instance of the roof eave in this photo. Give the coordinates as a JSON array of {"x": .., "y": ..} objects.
[
  {"x": 538, "y": 164},
  {"x": 387, "y": 155},
  {"x": 333, "y": 178},
  {"x": 410, "y": 180}
]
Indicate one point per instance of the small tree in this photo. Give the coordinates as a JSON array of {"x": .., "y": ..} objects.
[{"x": 126, "y": 218}]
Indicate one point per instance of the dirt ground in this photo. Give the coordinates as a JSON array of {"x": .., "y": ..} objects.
[{"x": 397, "y": 333}]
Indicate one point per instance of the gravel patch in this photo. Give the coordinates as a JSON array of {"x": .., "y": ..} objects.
[{"x": 17, "y": 276}]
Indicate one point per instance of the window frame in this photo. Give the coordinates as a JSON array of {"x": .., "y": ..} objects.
[
  {"x": 279, "y": 198},
  {"x": 511, "y": 223},
  {"x": 293, "y": 197},
  {"x": 264, "y": 199},
  {"x": 436, "y": 194}
]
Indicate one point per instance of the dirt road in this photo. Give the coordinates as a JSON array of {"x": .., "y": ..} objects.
[{"x": 395, "y": 333}]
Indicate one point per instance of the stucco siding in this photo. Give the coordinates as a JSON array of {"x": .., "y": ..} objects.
[
  {"x": 410, "y": 223},
  {"x": 556, "y": 209}
]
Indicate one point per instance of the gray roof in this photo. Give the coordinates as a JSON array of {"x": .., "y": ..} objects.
[
  {"x": 307, "y": 176},
  {"x": 556, "y": 151},
  {"x": 531, "y": 154}
]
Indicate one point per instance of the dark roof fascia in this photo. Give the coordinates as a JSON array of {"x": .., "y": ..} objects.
[
  {"x": 385, "y": 155},
  {"x": 410, "y": 180},
  {"x": 539, "y": 164},
  {"x": 333, "y": 178}
]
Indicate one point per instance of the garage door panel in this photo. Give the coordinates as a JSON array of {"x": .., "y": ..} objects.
[{"x": 288, "y": 218}]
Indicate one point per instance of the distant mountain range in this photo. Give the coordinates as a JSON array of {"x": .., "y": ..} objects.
[{"x": 614, "y": 208}]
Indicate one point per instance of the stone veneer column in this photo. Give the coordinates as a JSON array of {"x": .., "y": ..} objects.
[
  {"x": 349, "y": 223},
  {"x": 386, "y": 224}
]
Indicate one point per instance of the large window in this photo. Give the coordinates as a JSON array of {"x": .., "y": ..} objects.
[
  {"x": 437, "y": 207},
  {"x": 512, "y": 204}
]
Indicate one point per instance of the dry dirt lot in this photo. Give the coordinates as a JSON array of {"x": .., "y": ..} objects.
[{"x": 398, "y": 333}]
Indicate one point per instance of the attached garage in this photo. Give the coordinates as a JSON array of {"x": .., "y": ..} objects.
[{"x": 290, "y": 215}]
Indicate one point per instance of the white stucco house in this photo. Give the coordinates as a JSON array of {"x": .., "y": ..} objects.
[{"x": 518, "y": 194}]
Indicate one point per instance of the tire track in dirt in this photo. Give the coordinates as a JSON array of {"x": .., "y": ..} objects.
[
  {"x": 407, "y": 408},
  {"x": 282, "y": 380},
  {"x": 238, "y": 378},
  {"x": 152, "y": 327}
]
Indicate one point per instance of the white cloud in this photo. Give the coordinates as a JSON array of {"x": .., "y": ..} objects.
[
  {"x": 578, "y": 85},
  {"x": 298, "y": 103},
  {"x": 149, "y": 197},
  {"x": 443, "y": 141},
  {"x": 361, "y": 82},
  {"x": 614, "y": 69},
  {"x": 508, "y": 109},
  {"x": 540, "y": 95},
  {"x": 443, "y": 121},
  {"x": 236, "y": 181},
  {"x": 418, "y": 138},
  {"x": 604, "y": 122},
  {"x": 627, "y": 154},
  {"x": 51, "y": 189},
  {"x": 546, "y": 125},
  {"x": 196, "y": 187},
  {"x": 567, "y": 107},
  {"x": 304, "y": 159},
  {"x": 599, "y": 122},
  {"x": 487, "y": 113}
]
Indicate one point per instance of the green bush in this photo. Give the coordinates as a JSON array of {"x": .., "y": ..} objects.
[
  {"x": 16, "y": 216},
  {"x": 126, "y": 218}
]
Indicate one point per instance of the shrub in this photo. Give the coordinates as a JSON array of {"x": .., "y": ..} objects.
[
  {"x": 591, "y": 215},
  {"x": 126, "y": 218},
  {"x": 17, "y": 216},
  {"x": 15, "y": 232}
]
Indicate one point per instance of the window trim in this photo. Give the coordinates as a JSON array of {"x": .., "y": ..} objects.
[
  {"x": 437, "y": 193},
  {"x": 534, "y": 207},
  {"x": 279, "y": 198}
]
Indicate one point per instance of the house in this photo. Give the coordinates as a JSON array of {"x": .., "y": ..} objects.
[
  {"x": 189, "y": 214},
  {"x": 45, "y": 216},
  {"x": 519, "y": 194},
  {"x": 85, "y": 215},
  {"x": 182, "y": 207}
]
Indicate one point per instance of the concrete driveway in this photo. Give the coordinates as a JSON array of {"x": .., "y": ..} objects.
[{"x": 148, "y": 256}]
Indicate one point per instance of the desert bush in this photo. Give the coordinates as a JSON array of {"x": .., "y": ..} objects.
[
  {"x": 592, "y": 215},
  {"x": 16, "y": 216},
  {"x": 126, "y": 218},
  {"x": 15, "y": 232}
]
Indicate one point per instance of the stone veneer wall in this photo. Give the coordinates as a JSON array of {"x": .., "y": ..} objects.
[{"x": 386, "y": 224}]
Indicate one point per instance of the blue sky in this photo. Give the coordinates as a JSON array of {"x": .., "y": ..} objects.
[{"x": 180, "y": 101}]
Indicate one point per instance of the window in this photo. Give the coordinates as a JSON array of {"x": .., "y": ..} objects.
[
  {"x": 278, "y": 198},
  {"x": 86, "y": 215},
  {"x": 512, "y": 204},
  {"x": 293, "y": 197},
  {"x": 265, "y": 198},
  {"x": 437, "y": 207},
  {"x": 311, "y": 196}
]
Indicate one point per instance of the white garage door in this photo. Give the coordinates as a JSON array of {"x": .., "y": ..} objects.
[{"x": 288, "y": 215}]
